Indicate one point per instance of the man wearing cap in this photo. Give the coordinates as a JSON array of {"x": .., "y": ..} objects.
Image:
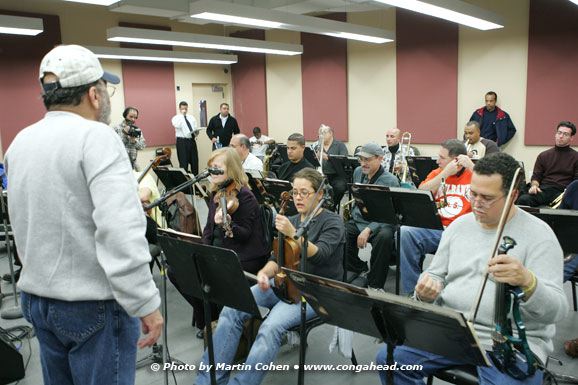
[
  {"x": 85, "y": 279},
  {"x": 360, "y": 232}
]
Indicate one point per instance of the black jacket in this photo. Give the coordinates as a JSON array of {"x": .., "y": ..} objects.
[{"x": 215, "y": 128}]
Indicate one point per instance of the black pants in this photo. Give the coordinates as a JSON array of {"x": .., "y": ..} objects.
[
  {"x": 187, "y": 154},
  {"x": 381, "y": 253},
  {"x": 339, "y": 186},
  {"x": 548, "y": 194}
]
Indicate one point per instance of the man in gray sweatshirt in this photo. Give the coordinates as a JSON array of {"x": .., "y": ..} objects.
[
  {"x": 79, "y": 228},
  {"x": 456, "y": 272}
]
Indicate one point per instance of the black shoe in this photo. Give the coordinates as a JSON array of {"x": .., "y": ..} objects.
[
  {"x": 201, "y": 334},
  {"x": 8, "y": 277}
]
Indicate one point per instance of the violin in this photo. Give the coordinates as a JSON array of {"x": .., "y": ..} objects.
[
  {"x": 288, "y": 253},
  {"x": 503, "y": 354},
  {"x": 227, "y": 202},
  {"x": 505, "y": 344},
  {"x": 166, "y": 155}
]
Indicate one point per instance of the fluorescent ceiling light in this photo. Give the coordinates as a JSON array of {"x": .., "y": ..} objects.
[
  {"x": 96, "y": 2},
  {"x": 18, "y": 25},
  {"x": 238, "y": 20},
  {"x": 181, "y": 39},
  {"x": 574, "y": 1},
  {"x": 235, "y": 13},
  {"x": 162, "y": 56},
  {"x": 451, "y": 10}
]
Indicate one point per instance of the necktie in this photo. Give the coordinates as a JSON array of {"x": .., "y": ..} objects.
[{"x": 188, "y": 123}]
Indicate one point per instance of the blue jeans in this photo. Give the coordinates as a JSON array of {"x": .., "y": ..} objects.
[
  {"x": 281, "y": 318},
  {"x": 415, "y": 243},
  {"x": 83, "y": 342},
  {"x": 570, "y": 268},
  {"x": 431, "y": 363}
]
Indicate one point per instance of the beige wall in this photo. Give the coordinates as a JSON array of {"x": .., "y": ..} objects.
[
  {"x": 495, "y": 60},
  {"x": 284, "y": 101}
]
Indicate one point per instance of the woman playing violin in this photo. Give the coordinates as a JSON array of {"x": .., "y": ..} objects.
[{"x": 325, "y": 254}]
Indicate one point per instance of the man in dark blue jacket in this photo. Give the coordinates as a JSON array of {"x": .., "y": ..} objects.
[{"x": 495, "y": 123}]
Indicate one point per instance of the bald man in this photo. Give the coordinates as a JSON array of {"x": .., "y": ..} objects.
[
  {"x": 242, "y": 145},
  {"x": 392, "y": 157}
]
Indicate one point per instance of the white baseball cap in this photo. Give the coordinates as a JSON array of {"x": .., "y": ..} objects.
[{"x": 74, "y": 66}]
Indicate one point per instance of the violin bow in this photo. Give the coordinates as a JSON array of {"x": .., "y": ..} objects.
[{"x": 507, "y": 206}]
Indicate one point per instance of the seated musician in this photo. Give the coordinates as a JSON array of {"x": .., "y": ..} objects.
[
  {"x": 455, "y": 275},
  {"x": 554, "y": 169},
  {"x": 477, "y": 146},
  {"x": 250, "y": 161},
  {"x": 297, "y": 161},
  {"x": 449, "y": 184},
  {"x": 392, "y": 154},
  {"x": 260, "y": 143},
  {"x": 247, "y": 238},
  {"x": 361, "y": 232},
  {"x": 332, "y": 147},
  {"x": 325, "y": 256}
]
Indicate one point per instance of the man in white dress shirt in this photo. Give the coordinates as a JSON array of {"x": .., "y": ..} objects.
[
  {"x": 242, "y": 145},
  {"x": 186, "y": 130}
]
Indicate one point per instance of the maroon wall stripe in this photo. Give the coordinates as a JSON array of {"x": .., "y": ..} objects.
[
  {"x": 150, "y": 87},
  {"x": 552, "y": 70},
  {"x": 250, "y": 87},
  {"x": 427, "y": 77},
  {"x": 324, "y": 84},
  {"x": 20, "y": 56}
]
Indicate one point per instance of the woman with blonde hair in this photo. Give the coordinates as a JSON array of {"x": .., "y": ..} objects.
[{"x": 245, "y": 234}]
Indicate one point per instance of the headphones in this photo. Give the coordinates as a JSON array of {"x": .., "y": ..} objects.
[{"x": 127, "y": 110}]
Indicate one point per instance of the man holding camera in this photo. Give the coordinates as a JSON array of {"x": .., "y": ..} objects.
[{"x": 131, "y": 135}]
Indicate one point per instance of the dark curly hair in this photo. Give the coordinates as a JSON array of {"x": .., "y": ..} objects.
[
  {"x": 502, "y": 164},
  {"x": 70, "y": 96}
]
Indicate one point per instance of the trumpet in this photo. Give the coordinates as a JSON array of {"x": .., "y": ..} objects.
[{"x": 346, "y": 210}]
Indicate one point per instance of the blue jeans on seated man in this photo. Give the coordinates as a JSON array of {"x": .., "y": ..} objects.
[
  {"x": 83, "y": 342},
  {"x": 415, "y": 243},
  {"x": 570, "y": 267},
  {"x": 431, "y": 363},
  {"x": 282, "y": 317}
]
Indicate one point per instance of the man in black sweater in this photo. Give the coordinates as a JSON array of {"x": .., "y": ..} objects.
[
  {"x": 297, "y": 161},
  {"x": 222, "y": 127},
  {"x": 555, "y": 168}
]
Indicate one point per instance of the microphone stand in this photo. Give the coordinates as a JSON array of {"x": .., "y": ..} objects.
[
  {"x": 302, "y": 232},
  {"x": 13, "y": 312},
  {"x": 160, "y": 353}
]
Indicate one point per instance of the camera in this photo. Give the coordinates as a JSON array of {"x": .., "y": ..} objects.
[{"x": 134, "y": 131}]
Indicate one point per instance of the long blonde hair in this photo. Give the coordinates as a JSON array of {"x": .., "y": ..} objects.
[{"x": 234, "y": 167}]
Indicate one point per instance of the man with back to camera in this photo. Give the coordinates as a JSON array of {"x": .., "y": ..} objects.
[
  {"x": 296, "y": 155},
  {"x": 495, "y": 123},
  {"x": 222, "y": 127},
  {"x": 186, "y": 131},
  {"x": 131, "y": 136},
  {"x": 242, "y": 145},
  {"x": 476, "y": 146},
  {"x": 554, "y": 169},
  {"x": 85, "y": 275}
]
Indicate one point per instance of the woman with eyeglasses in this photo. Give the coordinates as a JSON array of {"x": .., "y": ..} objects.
[
  {"x": 244, "y": 233},
  {"x": 325, "y": 255}
]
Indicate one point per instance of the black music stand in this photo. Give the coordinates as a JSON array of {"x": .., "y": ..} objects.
[
  {"x": 172, "y": 177},
  {"x": 208, "y": 273},
  {"x": 275, "y": 187},
  {"x": 345, "y": 166},
  {"x": 564, "y": 224},
  {"x": 398, "y": 207},
  {"x": 397, "y": 320},
  {"x": 420, "y": 167}
]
